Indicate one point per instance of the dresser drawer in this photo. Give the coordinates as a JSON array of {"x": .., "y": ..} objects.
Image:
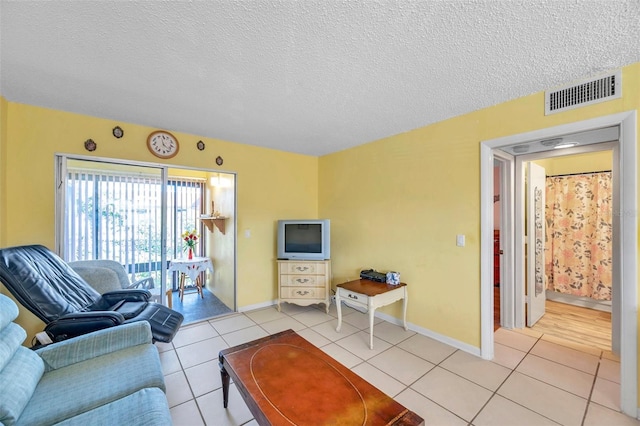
[
  {"x": 303, "y": 280},
  {"x": 303, "y": 268},
  {"x": 302, "y": 292}
]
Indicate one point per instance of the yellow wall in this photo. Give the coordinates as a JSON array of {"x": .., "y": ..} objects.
[
  {"x": 3, "y": 137},
  {"x": 398, "y": 204},
  {"x": 271, "y": 185},
  {"x": 579, "y": 163}
]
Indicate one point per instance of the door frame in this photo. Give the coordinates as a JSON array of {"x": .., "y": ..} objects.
[{"x": 626, "y": 237}]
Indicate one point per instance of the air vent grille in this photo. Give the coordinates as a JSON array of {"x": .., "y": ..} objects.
[{"x": 587, "y": 92}]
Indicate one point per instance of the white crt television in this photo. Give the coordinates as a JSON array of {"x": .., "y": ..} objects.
[{"x": 306, "y": 239}]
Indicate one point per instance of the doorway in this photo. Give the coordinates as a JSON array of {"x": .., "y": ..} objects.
[
  {"x": 625, "y": 229},
  {"x": 137, "y": 214}
]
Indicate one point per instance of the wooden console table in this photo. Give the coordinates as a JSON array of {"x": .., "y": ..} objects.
[
  {"x": 370, "y": 295},
  {"x": 285, "y": 380}
]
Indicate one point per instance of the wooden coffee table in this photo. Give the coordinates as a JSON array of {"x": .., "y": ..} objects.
[{"x": 285, "y": 380}]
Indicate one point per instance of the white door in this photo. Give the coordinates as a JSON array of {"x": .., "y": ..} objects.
[{"x": 536, "y": 282}]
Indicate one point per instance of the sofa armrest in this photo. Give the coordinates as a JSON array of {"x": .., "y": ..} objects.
[{"x": 101, "y": 342}]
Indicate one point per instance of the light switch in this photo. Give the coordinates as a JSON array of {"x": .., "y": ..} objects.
[{"x": 460, "y": 240}]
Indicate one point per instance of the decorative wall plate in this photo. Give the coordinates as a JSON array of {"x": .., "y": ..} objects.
[
  {"x": 118, "y": 132},
  {"x": 90, "y": 145},
  {"x": 200, "y": 145},
  {"x": 219, "y": 161}
]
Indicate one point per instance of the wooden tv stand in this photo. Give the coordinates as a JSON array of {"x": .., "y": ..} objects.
[{"x": 304, "y": 282}]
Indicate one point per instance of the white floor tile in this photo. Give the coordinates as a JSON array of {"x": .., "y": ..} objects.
[
  {"x": 507, "y": 356},
  {"x": 549, "y": 401},
  {"x": 266, "y": 314},
  {"x": 427, "y": 348},
  {"x": 186, "y": 414},
  {"x": 195, "y": 333},
  {"x": 232, "y": 323},
  {"x": 328, "y": 330},
  {"x": 314, "y": 337},
  {"x": 482, "y": 372},
  {"x": 200, "y": 352},
  {"x": 212, "y": 408},
  {"x": 380, "y": 380},
  {"x": 500, "y": 411},
  {"x": 598, "y": 415},
  {"x": 432, "y": 413},
  {"x": 458, "y": 395},
  {"x": 313, "y": 317},
  {"x": 392, "y": 333},
  {"x": 170, "y": 362},
  {"x": 204, "y": 377},
  {"x": 514, "y": 340},
  {"x": 342, "y": 355},
  {"x": 567, "y": 356},
  {"x": 243, "y": 336},
  {"x": 178, "y": 390},
  {"x": 606, "y": 393},
  {"x": 402, "y": 365},
  {"x": 609, "y": 370},
  {"x": 282, "y": 324},
  {"x": 558, "y": 375},
  {"x": 358, "y": 344}
]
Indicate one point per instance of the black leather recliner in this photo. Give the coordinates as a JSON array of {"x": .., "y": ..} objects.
[{"x": 48, "y": 287}]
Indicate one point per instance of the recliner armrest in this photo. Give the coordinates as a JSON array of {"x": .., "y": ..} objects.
[
  {"x": 77, "y": 323},
  {"x": 128, "y": 295},
  {"x": 102, "y": 342}
]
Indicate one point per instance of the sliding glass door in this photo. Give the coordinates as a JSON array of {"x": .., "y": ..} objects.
[{"x": 131, "y": 214}]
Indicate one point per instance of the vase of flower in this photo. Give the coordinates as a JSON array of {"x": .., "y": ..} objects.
[{"x": 190, "y": 239}]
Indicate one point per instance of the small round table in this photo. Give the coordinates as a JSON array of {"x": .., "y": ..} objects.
[{"x": 191, "y": 268}]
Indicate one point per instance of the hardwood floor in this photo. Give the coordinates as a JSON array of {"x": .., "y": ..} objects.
[
  {"x": 571, "y": 323},
  {"x": 576, "y": 324}
]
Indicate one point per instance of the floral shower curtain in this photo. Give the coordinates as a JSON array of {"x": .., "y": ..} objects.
[{"x": 578, "y": 246}]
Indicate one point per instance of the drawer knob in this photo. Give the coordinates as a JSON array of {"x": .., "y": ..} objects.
[
  {"x": 302, "y": 280},
  {"x": 302, "y": 268},
  {"x": 302, "y": 293}
]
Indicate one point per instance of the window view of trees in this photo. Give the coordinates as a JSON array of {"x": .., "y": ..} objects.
[{"x": 117, "y": 216}]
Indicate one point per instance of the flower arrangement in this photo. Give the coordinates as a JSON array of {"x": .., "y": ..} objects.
[{"x": 190, "y": 239}]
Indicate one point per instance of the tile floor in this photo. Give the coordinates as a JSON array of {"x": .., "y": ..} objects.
[{"x": 533, "y": 380}]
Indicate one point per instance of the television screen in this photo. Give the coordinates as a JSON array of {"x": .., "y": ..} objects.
[
  {"x": 303, "y": 238},
  {"x": 308, "y": 239}
]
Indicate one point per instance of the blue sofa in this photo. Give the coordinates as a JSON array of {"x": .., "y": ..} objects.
[{"x": 112, "y": 376}]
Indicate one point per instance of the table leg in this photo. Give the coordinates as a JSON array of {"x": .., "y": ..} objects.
[
  {"x": 225, "y": 385},
  {"x": 339, "y": 308},
  {"x": 169, "y": 295},
  {"x": 372, "y": 311},
  {"x": 199, "y": 287},
  {"x": 181, "y": 286},
  {"x": 404, "y": 308}
]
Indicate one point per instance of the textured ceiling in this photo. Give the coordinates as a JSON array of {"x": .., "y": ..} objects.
[{"x": 312, "y": 77}]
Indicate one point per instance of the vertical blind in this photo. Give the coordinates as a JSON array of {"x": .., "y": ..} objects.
[{"x": 117, "y": 216}]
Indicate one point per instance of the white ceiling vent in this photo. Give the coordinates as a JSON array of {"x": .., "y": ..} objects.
[{"x": 587, "y": 92}]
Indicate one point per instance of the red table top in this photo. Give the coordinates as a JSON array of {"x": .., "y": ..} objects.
[{"x": 286, "y": 380}]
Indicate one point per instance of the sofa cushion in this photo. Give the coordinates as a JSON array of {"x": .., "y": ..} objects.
[
  {"x": 18, "y": 379},
  {"x": 11, "y": 338},
  {"x": 77, "y": 388},
  {"x": 147, "y": 407},
  {"x": 8, "y": 311}
]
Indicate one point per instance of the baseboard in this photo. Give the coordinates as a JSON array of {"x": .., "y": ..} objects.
[
  {"x": 432, "y": 334},
  {"x": 585, "y": 302},
  {"x": 257, "y": 306}
]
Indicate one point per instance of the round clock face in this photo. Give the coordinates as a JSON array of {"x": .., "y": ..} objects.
[{"x": 162, "y": 144}]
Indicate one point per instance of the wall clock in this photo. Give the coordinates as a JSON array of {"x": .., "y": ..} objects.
[{"x": 163, "y": 144}]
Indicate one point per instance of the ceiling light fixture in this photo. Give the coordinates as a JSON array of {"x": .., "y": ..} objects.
[{"x": 565, "y": 145}]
